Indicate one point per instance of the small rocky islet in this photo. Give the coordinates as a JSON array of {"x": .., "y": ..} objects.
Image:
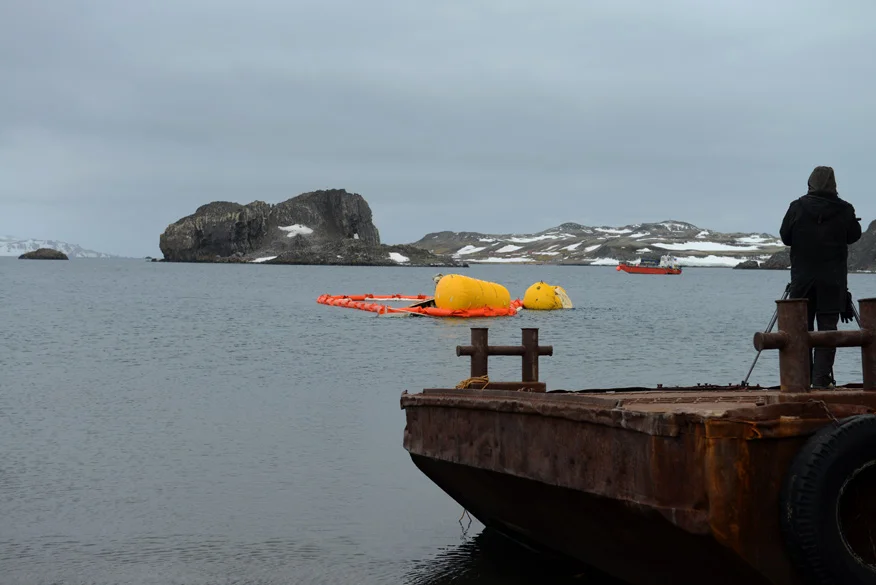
[{"x": 44, "y": 254}]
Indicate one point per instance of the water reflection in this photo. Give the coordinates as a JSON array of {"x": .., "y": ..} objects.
[{"x": 491, "y": 559}]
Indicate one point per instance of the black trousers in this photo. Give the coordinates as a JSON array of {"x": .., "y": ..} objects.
[{"x": 822, "y": 365}]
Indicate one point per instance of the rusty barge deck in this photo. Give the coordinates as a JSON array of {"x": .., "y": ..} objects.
[{"x": 728, "y": 484}]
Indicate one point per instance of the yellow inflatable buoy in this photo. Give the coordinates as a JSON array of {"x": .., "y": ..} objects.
[
  {"x": 455, "y": 291},
  {"x": 545, "y": 297}
]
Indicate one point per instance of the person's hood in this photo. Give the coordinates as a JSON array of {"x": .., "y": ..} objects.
[{"x": 822, "y": 181}]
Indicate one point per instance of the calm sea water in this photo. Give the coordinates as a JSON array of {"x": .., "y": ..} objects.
[{"x": 195, "y": 424}]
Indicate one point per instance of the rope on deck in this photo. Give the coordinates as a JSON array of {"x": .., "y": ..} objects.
[{"x": 467, "y": 383}]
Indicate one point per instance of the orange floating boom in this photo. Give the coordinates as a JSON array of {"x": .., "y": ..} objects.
[{"x": 360, "y": 302}]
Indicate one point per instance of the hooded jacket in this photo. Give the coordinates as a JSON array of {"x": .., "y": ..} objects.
[{"x": 819, "y": 227}]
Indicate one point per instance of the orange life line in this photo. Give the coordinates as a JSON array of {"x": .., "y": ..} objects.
[
  {"x": 382, "y": 297},
  {"x": 358, "y": 302}
]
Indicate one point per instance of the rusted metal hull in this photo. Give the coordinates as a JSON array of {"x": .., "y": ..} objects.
[
  {"x": 649, "y": 487},
  {"x": 620, "y": 538}
]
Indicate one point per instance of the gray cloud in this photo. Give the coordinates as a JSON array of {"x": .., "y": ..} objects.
[{"x": 118, "y": 118}]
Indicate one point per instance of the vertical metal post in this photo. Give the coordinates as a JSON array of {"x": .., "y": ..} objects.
[
  {"x": 530, "y": 355},
  {"x": 868, "y": 350},
  {"x": 794, "y": 357},
  {"x": 479, "y": 357}
]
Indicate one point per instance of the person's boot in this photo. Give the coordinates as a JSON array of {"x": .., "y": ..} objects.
[{"x": 822, "y": 368}]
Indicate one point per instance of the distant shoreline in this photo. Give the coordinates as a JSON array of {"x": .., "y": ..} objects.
[{"x": 153, "y": 260}]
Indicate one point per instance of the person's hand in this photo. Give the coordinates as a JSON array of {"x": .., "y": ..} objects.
[{"x": 848, "y": 313}]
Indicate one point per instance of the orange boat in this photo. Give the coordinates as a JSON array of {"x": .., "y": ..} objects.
[{"x": 665, "y": 265}]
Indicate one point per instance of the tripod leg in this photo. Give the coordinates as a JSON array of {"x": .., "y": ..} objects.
[
  {"x": 769, "y": 328},
  {"x": 751, "y": 369}
]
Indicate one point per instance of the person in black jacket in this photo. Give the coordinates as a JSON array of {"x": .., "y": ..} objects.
[{"x": 819, "y": 227}]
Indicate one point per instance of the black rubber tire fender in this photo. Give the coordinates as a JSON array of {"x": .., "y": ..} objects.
[{"x": 810, "y": 504}]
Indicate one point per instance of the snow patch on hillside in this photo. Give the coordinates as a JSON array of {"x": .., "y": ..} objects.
[
  {"x": 759, "y": 240},
  {"x": 673, "y": 226},
  {"x": 614, "y": 231},
  {"x": 469, "y": 250},
  {"x": 604, "y": 262},
  {"x": 501, "y": 260},
  {"x": 529, "y": 240},
  {"x": 298, "y": 229},
  {"x": 705, "y": 247},
  {"x": 710, "y": 261}
]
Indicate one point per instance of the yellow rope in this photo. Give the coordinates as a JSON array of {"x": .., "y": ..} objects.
[{"x": 477, "y": 379}]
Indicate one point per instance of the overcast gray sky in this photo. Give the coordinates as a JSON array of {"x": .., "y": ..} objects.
[{"x": 119, "y": 117}]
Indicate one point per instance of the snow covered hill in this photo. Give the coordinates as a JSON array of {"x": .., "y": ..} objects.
[
  {"x": 572, "y": 243},
  {"x": 12, "y": 246}
]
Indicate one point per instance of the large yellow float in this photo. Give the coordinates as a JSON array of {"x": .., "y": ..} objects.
[
  {"x": 545, "y": 297},
  {"x": 457, "y": 292}
]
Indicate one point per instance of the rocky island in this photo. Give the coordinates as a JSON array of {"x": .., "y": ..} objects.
[
  {"x": 44, "y": 254},
  {"x": 330, "y": 227},
  {"x": 576, "y": 244}
]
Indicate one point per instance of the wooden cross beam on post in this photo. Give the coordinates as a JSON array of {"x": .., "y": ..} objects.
[
  {"x": 794, "y": 342},
  {"x": 480, "y": 350}
]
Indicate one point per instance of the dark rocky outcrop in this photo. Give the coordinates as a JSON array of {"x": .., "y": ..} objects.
[
  {"x": 778, "y": 261},
  {"x": 44, "y": 254},
  {"x": 862, "y": 254},
  {"x": 747, "y": 265},
  {"x": 321, "y": 227}
]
